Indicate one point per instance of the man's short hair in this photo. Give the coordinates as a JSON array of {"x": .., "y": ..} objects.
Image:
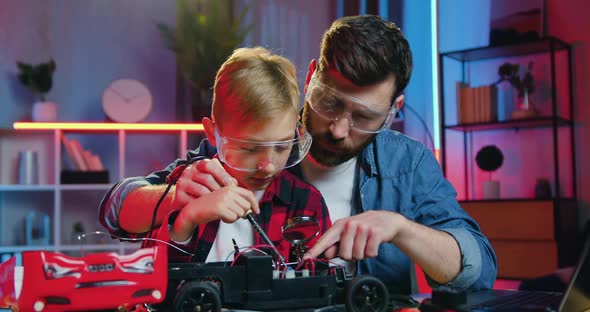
[
  {"x": 254, "y": 83},
  {"x": 367, "y": 49}
]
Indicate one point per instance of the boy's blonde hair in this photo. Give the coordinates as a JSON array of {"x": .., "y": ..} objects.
[{"x": 254, "y": 84}]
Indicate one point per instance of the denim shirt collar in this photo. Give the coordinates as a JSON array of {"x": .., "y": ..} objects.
[{"x": 368, "y": 159}]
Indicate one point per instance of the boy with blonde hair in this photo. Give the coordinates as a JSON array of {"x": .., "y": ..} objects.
[{"x": 255, "y": 127}]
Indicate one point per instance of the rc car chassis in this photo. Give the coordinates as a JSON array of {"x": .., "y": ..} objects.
[{"x": 252, "y": 282}]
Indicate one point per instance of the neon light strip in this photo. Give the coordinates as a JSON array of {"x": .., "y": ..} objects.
[
  {"x": 435, "y": 95},
  {"x": 363, "y": 7},
  {"x": 384, "y": 8},
  {"x": 97, "y": 126}
]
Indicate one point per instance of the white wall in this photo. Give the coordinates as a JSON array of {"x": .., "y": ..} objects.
[
  {"x": 97, "y": 41},
  {"x": 291, "y": 28},
  {"x": 93, "y": 43}
]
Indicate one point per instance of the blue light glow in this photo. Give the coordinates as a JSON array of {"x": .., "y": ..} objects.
[
  {"x": 339, "y": 8},
  {"x": 384, "y": 8},
  {"x": 435, "y": 94}
]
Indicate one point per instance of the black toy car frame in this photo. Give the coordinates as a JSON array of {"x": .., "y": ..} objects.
[{"x": 250, "y": 283}]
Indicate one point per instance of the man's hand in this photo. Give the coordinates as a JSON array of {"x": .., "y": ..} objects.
[
  {"x": 357, "y": 237},
  {"x": 198, "y": 179}
]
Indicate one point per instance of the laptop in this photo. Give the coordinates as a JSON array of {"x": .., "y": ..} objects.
[{"x": 575, "y": 299}]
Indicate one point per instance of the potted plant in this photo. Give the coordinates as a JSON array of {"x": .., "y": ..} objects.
[
  {"x": 524, "y": 85},
  {"x": 204, "y": 37},
  {"x": 38, "y": 78},
  {"x": 489, "y": 158}
]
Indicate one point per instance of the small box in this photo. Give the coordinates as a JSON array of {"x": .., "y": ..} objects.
[{"x": 84, "y": 177}]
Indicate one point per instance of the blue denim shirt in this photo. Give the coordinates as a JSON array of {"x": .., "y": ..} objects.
[
  {"x": 401, "y": 175},
  {"x": 396, "y": 173}
]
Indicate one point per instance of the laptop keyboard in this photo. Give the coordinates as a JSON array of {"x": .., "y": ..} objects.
[{"x": 522, "y": 301}]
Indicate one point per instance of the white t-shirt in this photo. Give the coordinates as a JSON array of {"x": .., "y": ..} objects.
[{"x": 336, "y": 185}]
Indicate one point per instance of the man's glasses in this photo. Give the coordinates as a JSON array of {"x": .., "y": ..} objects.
[
  {"x": 334, "y": 105},
  {"x": 252, "y": 156}
]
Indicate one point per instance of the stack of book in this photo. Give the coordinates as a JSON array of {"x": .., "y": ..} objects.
[
  {"x": 83, "y": 160},
  {"x": 88, "y": 166},
  {"x": 476, "y": 104}
]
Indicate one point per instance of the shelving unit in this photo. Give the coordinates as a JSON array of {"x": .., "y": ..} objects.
[
  {"x": 543, "y": 145},
  {"x": 52, "y": 197}
]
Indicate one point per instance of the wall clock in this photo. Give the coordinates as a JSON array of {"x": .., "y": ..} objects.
[{"x": 127, "y": 100}]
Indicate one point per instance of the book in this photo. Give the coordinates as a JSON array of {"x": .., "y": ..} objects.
[
  {"x": 88, "y": 159},
  {"x": 82, "y": 159},
  {"x": 464, "y": 103},
  {"x": 74, "y": 150}
]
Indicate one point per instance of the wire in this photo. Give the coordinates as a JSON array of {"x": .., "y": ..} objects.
[
  {"x": 172, "y": 177},
  {"x": 284, "y": 272},
  {"x": 304, "y": 262},
  {"x": 155, "y": 213},
  {"x": 255, "y": 247},
  {"x": 330, "y": 262},
  {"x": 286, "y": 266},
  {"x": 84, "y": 235},
  {"x": 265, "y": 237},
  {"x": 424, "y": 125}
]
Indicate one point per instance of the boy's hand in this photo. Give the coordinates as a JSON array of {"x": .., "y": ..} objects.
[
  {"x": 228, "y": 204},
  {"x": 198, "y": 179}
]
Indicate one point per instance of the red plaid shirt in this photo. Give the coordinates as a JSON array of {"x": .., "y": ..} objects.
[{"x": 287, "y": 196}]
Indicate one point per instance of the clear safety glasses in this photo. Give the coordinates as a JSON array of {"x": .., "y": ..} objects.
[
  {"x": 252, "y": 156},
  {"x": 331, "y": 104}
]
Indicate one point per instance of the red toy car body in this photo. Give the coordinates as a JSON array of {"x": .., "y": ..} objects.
[
  {"x": 7, "y": 291},
  {"x": 56, "y": 282}
]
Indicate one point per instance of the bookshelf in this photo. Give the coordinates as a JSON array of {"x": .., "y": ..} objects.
[
  {"x": 65, "y": 203},
  {"x": 518, "y": 225}
]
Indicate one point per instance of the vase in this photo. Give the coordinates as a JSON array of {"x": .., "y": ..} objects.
[
  {"x": 28, "y": 167},
  {"x": 525, "y": 108},
  {"x": 44, "y": 111},
  {"x": 491, "y": 189}
]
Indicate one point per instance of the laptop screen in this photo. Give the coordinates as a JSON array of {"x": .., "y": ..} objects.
[{"x": 577, "y": 295}]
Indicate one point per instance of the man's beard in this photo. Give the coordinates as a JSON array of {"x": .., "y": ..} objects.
[{"x": 329, "y": 158}]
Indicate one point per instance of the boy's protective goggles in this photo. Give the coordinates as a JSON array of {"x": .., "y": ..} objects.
[
  {"x": 362, "y": 116},
  {"x": 252, "y": 155}
]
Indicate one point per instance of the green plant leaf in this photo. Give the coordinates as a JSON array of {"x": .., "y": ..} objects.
[
  {"x": 38, "y": 78},
  {"x": 204, "y": 37},
  {"x": 511, "y": 73}
]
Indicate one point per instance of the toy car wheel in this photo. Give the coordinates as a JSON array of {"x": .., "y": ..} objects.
[
  {"x": 366, "y": 293},
  {"x": 198, "y": 296}
]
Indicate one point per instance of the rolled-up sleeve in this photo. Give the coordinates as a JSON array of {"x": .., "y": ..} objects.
[
  {"x": 439, "y": 209},
  {"x": 111, "y": 205},
  {"x": 470, "y": 258}
]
